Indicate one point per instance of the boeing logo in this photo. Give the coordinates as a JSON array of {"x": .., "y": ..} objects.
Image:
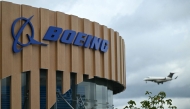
[
  {"x": 53, "y": 33},
  {"x": 31, "y": 39}
]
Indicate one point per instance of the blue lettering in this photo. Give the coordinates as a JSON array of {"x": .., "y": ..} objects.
[
  {"x": 104, "y": 46},
  {"x": 80, "y": 39},
  {"x": 68, "y": 36},
  {"x": 95, "y": 43},
  {"x": 87, "y": 42},
  {"x": 52, "y": 33}
]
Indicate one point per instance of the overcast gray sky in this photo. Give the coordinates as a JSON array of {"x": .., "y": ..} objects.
[{"x": 157, "y": 38}]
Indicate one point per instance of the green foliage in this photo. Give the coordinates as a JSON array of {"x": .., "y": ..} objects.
[{"x": 153, "y": 102}]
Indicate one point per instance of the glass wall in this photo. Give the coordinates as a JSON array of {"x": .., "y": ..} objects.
[
  {"x": 85, "y": 95},
  {"x": 25, "y": 76},
  {"x": 95, "y": 93},
  {"x": 5, "y": 93},
  {"x": 43, "y": 81},
  {"x": 68, "y": 96},
  {"x": 59, "y": 79},
  {"x": 110, "y": 99},
  {"x": 90, "y": 94}
]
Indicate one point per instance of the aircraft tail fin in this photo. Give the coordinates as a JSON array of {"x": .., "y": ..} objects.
[{"x": 171, "y": 75}]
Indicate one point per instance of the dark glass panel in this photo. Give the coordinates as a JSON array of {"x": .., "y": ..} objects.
[
  {"x": 5, "y": 93},
  {"x": 43, "y": 86},
  {"x": 25, "y": 89},
  {"x": 69, "y": 96}
]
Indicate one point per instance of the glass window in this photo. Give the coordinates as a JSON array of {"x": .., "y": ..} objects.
[
  {"x": 25, "y": 89},
  {"x": 5, "y": 93},
  {"x": 104, "y": 97},
  {"x": 85, "y": 95},
  {"x": 90, "y": 94},
  {"x": 110, "y": 99},
  {"x": 59, "y": 79},
  {"x": 72, "y": 91},
  {"x": 68, "y": 96},
  {"x": 43, "y": 81},
  {"x": 99, "y": 95}
]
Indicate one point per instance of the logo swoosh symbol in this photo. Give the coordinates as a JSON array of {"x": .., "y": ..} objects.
[{"x": 16, "y": 36}]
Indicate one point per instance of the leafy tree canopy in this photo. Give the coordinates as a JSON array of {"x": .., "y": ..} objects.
[{"x": 154, "y": 102}]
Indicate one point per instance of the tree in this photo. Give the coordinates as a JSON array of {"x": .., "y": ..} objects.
[{"x": 153, "y": 102}]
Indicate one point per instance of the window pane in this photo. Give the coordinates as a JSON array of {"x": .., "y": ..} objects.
[
  {"x": 86, "y": 92},
  {"x": 72, "y": 91},
  {"x": 25, "y": 89},
  {"x": 59, "y": 79},
  {"x": 5, "y": 93},
  {"x": 104, "y": 97},
  {"x": 99, "y": 95},
  {"x": 92, "y": 93},
  {"x": 68, "y": 96},
  {"x": 110, "y": 99},
  {"x": 43, "y": 81},
  {"x": 96, "y": 94}
]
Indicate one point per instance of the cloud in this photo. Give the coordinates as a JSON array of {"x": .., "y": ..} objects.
[
  {"x": 139, "y": 90},
  {"x": 48, "y": 4},
  {"x": 103, "y": 11},
  {"x": 157, "y": 42},
  {"x": 152, "y": 15}
]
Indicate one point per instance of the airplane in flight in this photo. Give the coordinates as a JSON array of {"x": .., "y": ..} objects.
[{"x": 159, "y": 80}]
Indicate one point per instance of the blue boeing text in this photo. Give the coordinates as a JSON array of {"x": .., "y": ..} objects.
[
  {"x": 78, "y": 39},
  {"x": 53, "y": 33}
]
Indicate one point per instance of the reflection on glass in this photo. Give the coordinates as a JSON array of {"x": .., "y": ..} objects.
[
  {"x": 86, "y": 92},
  {"x": 43, "y": 81},
  {"x": 68, "y": 96},
  {"x": 104, "y": 97},
  {"x": 72, "y": 91},
  {"x": 5, "y": 93},
  {"x": 90, "y": 94},
  {"x": 95, "y": 94},
  {"x": 110, "y": 99},
  {"x": 59, "y": 79},
  {"x": 61, "y": 104},
  {"x": 25, "y": 89},
  {"x": 99, "y": 96}
]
